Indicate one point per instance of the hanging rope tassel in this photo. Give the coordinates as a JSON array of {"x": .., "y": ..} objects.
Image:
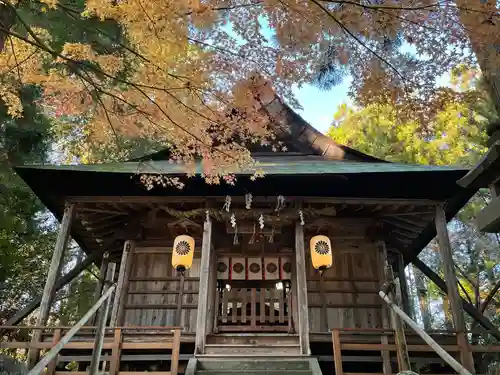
[
  {"x": 301, "y": 217},
  {"x": 235, "y": 238},
  {"x": 280, "y": 204},
  {"x": 248, "y": 200},
  {"x": 227, "y": 204}
]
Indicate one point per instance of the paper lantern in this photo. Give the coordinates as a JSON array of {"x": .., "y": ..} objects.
[
  {"x": 321, "y": 252},
  {"x": 183, "y": 252}
]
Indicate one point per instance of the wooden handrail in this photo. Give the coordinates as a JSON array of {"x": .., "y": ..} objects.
[
  {"x": 454, "y": 364},
  {"x": 94, "y": 327},
  {"x": 38, "y": 368}
]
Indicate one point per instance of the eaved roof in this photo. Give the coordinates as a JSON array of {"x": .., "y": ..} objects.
[{"x": 315, "y": 165}]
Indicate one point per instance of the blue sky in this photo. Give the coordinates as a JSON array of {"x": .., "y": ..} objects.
[{"x": 319, "y": 106}]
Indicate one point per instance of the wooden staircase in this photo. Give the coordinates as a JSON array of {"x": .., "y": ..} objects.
[
  {"x": 253, "y": 366},
  {"x": 252, "y": 344}
]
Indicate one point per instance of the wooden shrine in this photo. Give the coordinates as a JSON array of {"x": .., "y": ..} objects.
[{"x": 251, "y": 289}]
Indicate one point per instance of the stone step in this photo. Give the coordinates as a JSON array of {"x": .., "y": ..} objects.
[
  {"x": 255, "y": 372},
  {"x": 245, "y": 349},
  {"x": 257, "y": 364}
]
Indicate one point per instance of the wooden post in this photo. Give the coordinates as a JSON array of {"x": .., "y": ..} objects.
[
  {"x": 403, "y": 284},
  {"x": 337, "y": 352},
  {"x": 51, "y": 368},
  {"x": 122, "y": 284},
  {"x": 201, "y": 319},
  {"x": 400, "y": 338},
  {"x": 101, "y": 324},
  {"x": 176, "y": 348},
  {"x": 302, "y": 305},
  {"x": 386, "y": 356},
  {"x": 114, "y": 363},
  {"x": 180, "y": 297},
  {"x": 100, "y": 283},
  {"x": 451, "y": 283},
  {"x": 48, "y": 291},
  {"x": 433, "y": 344},
  {"x": 212, "y": 295}
]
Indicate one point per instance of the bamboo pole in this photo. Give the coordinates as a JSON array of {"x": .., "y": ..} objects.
[{"x": 433, "y": 344}]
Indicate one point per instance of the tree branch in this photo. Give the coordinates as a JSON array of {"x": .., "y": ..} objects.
[{"x": 359, "y": 41}]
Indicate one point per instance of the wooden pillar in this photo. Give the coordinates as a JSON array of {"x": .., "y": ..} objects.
[
  {"x": 117, "y": 313},
  {"x": 403, "y": 284},
  {"x": 212, "y": 294},
  {"x": 382, "y": 260},
  {"x": 49, "y": 289},
  {"x": 302, "y": 305},
  {"x": 201, "y": 318},
  {"x": 451, "y": 283}
]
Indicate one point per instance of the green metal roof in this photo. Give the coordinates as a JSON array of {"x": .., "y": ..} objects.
[{"x": 270, "y": 166}]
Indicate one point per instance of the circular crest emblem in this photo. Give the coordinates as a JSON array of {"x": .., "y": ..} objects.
[
  {"x": 221, "y": 267},
  {"x": 254, "y": 268},
  {"x": 271, "y": 268},
  {"x": 322, "y": 247},
  {"x": 182, "y": 248},
  {"x": 238, "y": 267}
]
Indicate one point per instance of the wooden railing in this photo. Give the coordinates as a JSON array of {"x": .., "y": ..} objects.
[
  {"x": 116, "y": 345},
  {"x": 242, "y": 309},
  {"x": 342, "y": 340}
]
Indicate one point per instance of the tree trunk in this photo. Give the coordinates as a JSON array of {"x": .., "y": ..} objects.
[
  {"x": 481, "y": 30},
  {"x": 7, "y": 20},
  {"x": 422, "y": 298},
  {"x": 489, "y": 297}
]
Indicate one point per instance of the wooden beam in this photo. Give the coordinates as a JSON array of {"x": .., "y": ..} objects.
[
  {"x": 451, "y": 283},
  {"x": 122, "y": 284},
  {"x": 201, "y": 318},
  {"x": 301, "y": 277},
  {"x": 49, "y": 289},
  {"x": 28, "y": 309},
  {"x": 256, "y": 200},
  {"x": 470, "y": 309}
]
